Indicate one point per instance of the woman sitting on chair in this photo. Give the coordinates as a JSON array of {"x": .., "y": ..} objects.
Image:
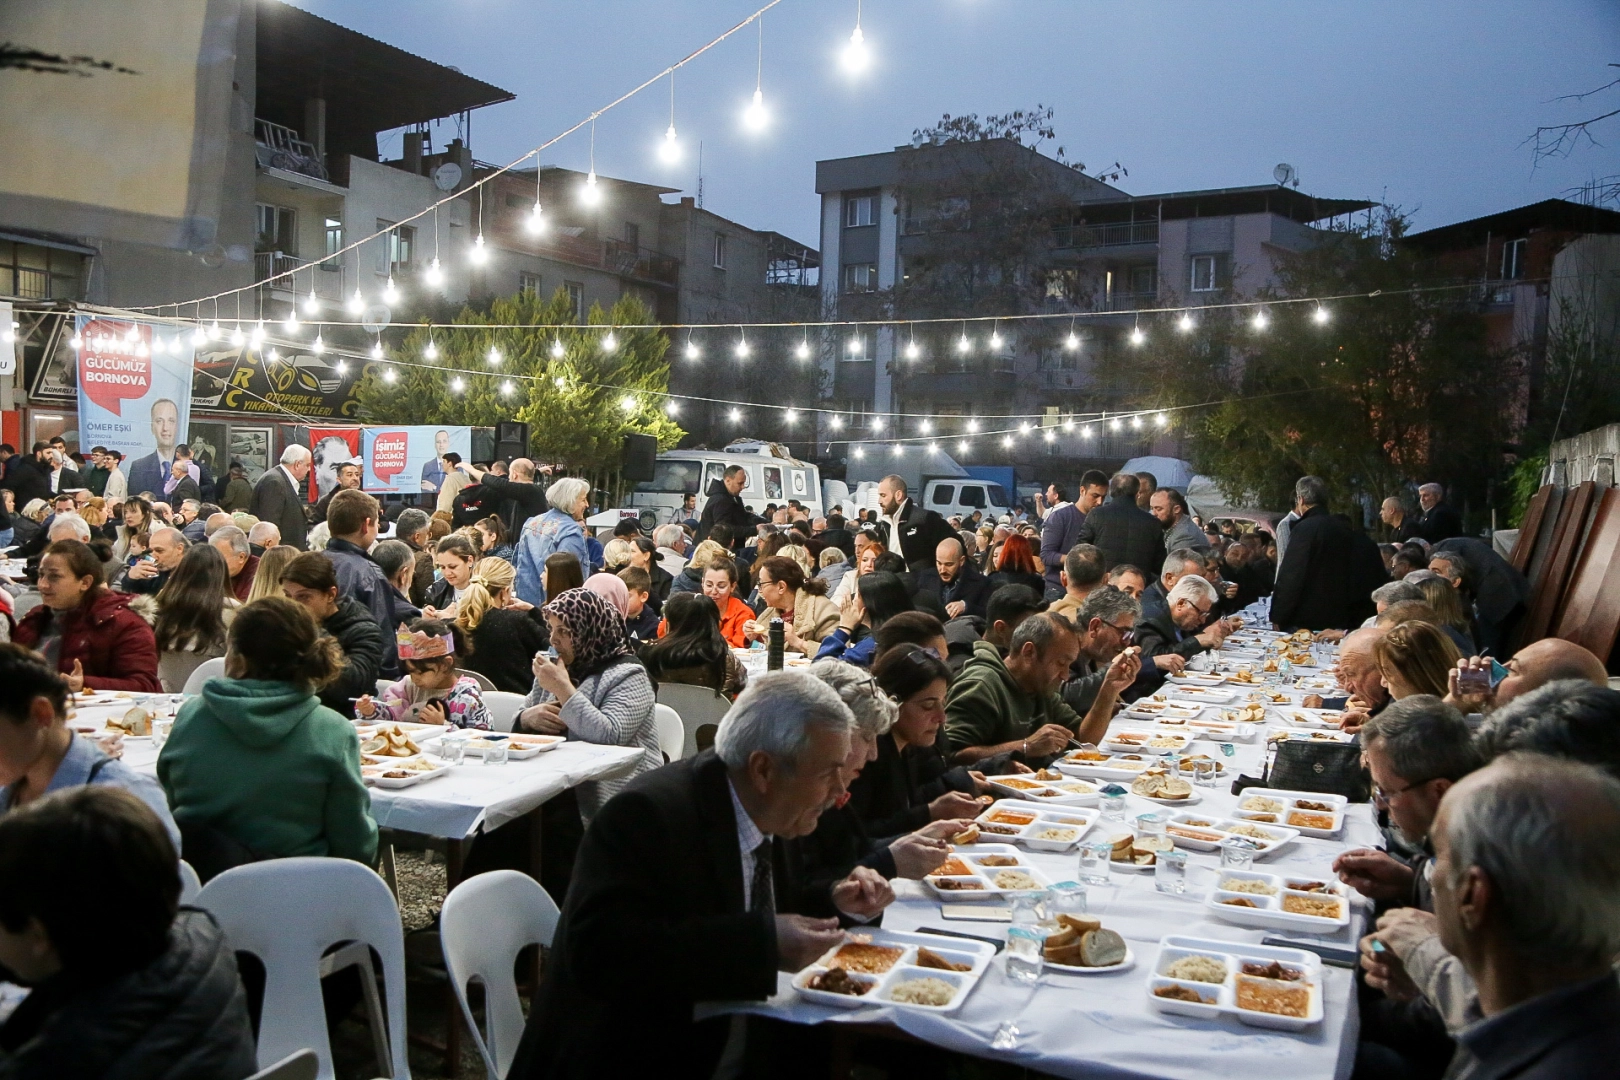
[
  {"x": 692, "y": 650},
  {"x": 194, "y": 610},
  {"x": 504, "y": 632}
]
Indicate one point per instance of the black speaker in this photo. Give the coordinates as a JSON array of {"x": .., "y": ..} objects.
[
  {"x": 511, "y": 440},
  {"x": 639, "y": 452}
]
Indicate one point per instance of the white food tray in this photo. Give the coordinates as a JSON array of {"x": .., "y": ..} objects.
[
  {"x": 1314, "y": 719},
  {"x": 1196, "y": 678},
  {"x": 1248, "y": 808},
  {"x": 1148, "y": 709},
  {"x": 372, "y": 774},
  {"x": 1224, "y": 994},
  {"x": 984, "y": 876},
  {"x": 1078, "y": 820},
  {"x": 1269, "y": 912},
  {"x": 518, "y": 747},
  {"x": 1196, "y": 695},
  {"x": 1138, "y": 741},
  {"x": 1320, "y": 736},
  {"x": 958, "y": 950},
  {"x": 1277, "y": 837},
  {"x": 1066, "y": 792},
  {"x": 1121, "y": 767}
]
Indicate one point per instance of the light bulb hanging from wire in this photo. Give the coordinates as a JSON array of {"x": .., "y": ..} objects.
[
  {"x": 856, "y": 56},
  {"x": 312, "y": 303},
  {"x": 802, "y": 350},
  {"x": 494, "y": 356},
  {"x": 741, "y": 348},
  {"x": 357, "y": 302},
  {"x": 377, "y": 349},
  {"x": 557, "y": 349},
  {"x": 434, "y": 275},
  {"x": 317, "y": 346},
  {"x": 669, "y": 151},
  {"x": 1185, "y": 324},
  {"x": 430, "y": 351},
  {"x": 291, "y": 323},
  {"x": 609, "y": 342},
  {"x": 1260, "y": 320},
  {"x": 537, "y": 217},
  {"x": 1321, "y": 315},
  {"x": 590, "y": 194},
  {"x": 694, "y": 351},
  {"x": 755, "y": 117},
  {"x": 390, "y": 294}
]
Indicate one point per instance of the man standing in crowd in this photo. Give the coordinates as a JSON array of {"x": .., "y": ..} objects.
[
  {"x": 518, "y": 488},
  {"x": 725, "y": 507},
  {"x": 710, "y": 917},
  {"x": 1060, "y": 531},
  {"x": 1169, "y": 506},
  {"x": 348, "y": 479},
  {"x": 913, "y": 531},
  {"x": 197, "y": 470},
  {"x": 414, "y": 527},
  {"x": 278, "y": 496},
  {"x": 1401, "y": 525},
  {"x": 115, "y": 489},
  {"x": 1082, "y": 573},
  {"x": 148, "y": 576},
  {"x": 962, "y": 590},
  {"x": 95, "y": 477},
  {"x": 181, "y": 486},
  {"x": 1177, "y": 565},
  {"x": 353, "y": 523},
  {"x": 240, "y": 562},
  {"x": 149, "y": 473},
  {"x": 29, "y": 477},
  {"x": 1147, "y": 484},
  {"x": 63, "y": 476},
  {"x": 1125, "y": 532},
  {"x": 1438, "y": 521},
  {"x": 1326, "y": 579}
]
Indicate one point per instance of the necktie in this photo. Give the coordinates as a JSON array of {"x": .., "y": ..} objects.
[{"x": 760, "y": 893}]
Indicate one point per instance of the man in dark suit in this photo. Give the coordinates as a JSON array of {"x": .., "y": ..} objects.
[
  {"x": 961, "y": 589},
  {"x": 1438, "y": 521},
  {"x": 1327, "y": 576},
  {"x": 1184, "y": 628},
  {"x": 645, "y": 936},
  {"x": 725, "y": 507},
  {"x": 914, "y": 532},
  {"x": 837, "y": 535},
  {"x": 1124, "y": 531},
  {"x": 30, "y": 477},
  {"x": 1498, "y": 592},
  {"x": 278, "y": 497},
  {"x": 148, "y": 473}
]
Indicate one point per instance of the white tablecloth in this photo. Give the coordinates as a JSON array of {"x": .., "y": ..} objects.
[
  {"x": 457, "y": 803},
  {"x": 1103, "y": 1025}
]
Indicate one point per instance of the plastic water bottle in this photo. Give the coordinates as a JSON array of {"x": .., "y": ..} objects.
[{"x": 778, "y": 632}]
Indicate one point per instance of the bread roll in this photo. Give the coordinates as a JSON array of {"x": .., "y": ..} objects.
[{"x": 1101, "y": 948}]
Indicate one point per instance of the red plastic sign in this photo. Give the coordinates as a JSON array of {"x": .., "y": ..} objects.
[{"x": 115, "y": 363}]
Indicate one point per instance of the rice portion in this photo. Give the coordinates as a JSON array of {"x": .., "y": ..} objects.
[
  {"x": 1256, "y": 886},
  {"x": 1203, "y": 969},
  {"x": 936, "y": 992}
]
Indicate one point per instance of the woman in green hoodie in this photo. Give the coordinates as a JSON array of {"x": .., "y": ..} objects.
[{"x": 257, "y": 761}]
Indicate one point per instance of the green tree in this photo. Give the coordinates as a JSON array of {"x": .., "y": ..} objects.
[
  {"x": 1394, "y": 388},
  {"x": 579, "y": 406}
]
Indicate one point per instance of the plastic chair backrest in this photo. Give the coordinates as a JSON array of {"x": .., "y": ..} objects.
[
  {"x": 300, "y": 1066},
  {"x": 337, "y": 900},
  {"x": 190, "y": 883},
  {"x": 484, "y": 923},
  {"x": 697, "y": 705},
  {"x": 671, "y": 733},
  {"x": 504, "y": 707},
  {"x": 482, "y": 680},
  {"x": 208, "y": 669}
]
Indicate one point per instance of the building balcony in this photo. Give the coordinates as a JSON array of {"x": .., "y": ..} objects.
[
  {"x": 278, "y": 147},
  {"x": 270, "y": 264},
  {"x": 644, "y": 264},
  {"x": 1114, "y": 234}
]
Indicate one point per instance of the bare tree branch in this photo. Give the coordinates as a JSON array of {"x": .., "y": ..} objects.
[{"x": 1561, "y": 140}]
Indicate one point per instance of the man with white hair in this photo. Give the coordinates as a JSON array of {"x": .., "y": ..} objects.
[
  {"x": 240, "y": 561},
  {"x": 69, "y": 527},
  {"x": 1184, "y": 629},
  {"x": 670, "y": 540},
  {"x": 162, "y": 555},
  {"x": 649, "y": 935},
  {"x": 1438, "y": 521},
  {"x": 1177, "y": 565},
  {"x": 264, "y": 535},
  {"x": 1527, "y": 897},
  {"x": 278, "y": 496},
  {"x": 515, "y": 497}
]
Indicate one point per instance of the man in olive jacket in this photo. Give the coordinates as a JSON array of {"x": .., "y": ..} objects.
[{"x": 997, "y": 707}]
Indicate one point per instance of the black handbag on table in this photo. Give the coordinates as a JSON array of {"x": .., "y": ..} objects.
[{"x": 1329, "y": 768}]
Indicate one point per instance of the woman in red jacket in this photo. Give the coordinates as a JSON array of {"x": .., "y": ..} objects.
[{"x": 87, "y": 632}]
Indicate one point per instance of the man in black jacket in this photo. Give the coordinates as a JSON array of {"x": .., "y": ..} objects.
[
  {"x": 29, "y": 478},
  {"x": 1124, "y": 531},
  {"x": 837, "y": 535},
  {"x": 961, "y": 589},
  {"x": 1327, "y": 576},
  {"x": 517, "y": 497},
  {"x": 915, "y": 532},
  {"x": 725, "y": 507},
  {"x": 644, "y": 937},
  {"x": 278, "y": 495},
  {"x": 1438, "y": 521},
  {"x": 1184, "y": 628}
]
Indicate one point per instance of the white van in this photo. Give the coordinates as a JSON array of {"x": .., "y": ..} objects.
[
  {"x": 772, "y": 477},
  {"x": 965, "y": 495}
]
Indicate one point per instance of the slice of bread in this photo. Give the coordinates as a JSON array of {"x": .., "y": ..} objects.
[
  {"x": 1071, "y": 955},
  {"x": 969, "y": 835},
  {"x": 1102, "y": 948},
  {"x": 1081, "y": 924}
]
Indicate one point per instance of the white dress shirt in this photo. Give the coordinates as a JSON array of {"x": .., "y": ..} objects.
[{"x": 748, "y": 838}]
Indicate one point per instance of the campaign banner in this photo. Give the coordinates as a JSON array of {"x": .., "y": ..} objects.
[
  {"x": 401, "y": 460},
  {"x": 134, "y": 393},
  {"x": 332, "y": 447}
]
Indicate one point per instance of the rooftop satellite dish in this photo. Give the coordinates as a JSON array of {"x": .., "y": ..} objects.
[
  {"x": 1285, "y": 174},
  {"x": 447, "y": 176}
]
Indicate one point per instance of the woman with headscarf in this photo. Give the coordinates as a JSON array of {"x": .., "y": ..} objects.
[{"x": 595, "y": 691}]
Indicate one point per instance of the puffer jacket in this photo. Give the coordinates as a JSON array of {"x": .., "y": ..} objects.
[
  {"x": 113, "y": 643},
  {"x": 362, "y": 641},
  {"x": 182, "y": 1017}
]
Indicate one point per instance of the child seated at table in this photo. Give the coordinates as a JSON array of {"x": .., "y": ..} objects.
[{"x": 431, "y": 691}]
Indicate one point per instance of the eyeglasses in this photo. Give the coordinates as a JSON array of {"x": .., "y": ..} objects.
[
  {"x": 1384, "y": 798},
  {"x": 1126, "y": 634}
]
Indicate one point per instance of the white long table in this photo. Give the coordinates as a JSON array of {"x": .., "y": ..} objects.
[{"x": 1097, "y": 1026}]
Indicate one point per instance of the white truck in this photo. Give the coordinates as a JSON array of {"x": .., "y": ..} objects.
[{"x": 932, "y": 478}]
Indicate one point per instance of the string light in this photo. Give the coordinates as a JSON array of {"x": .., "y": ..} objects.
[
  {"x": 669, "y": 152},
  {"x": 755, "y": 117},
  {"x": 741, "y": 348},
  {"x": 1136, "y": 423},
  {"x": 1085, "y": 431},
  {"x": 802, "y": 350},
  {"x": 1137, "y": 337},
  {"x": 76, "y": 342},
  {"x": 479, "y": 254},
  {"x": 791, "y": 417},
  {"x": 836, "y": 423},
  {"x": 856, "y": 56},
  {"x": 1321, "y": 315},
  {"x": 1072, "y": 342},
  {"x": 962, "y": 446},
  {"x": 377, "y": 350},
  {"x": 275, "y": 354},
  {"x": 434, "y": 275},
  {"x": 995, "y": 339},
  {"x": 877, "y": 423},
  {"x": 933, "y": 448},
  {"x": 342, "y": 367},
  {"x": 912, "y": 349},
  {"x": 317, "y": 346},
  {"x": 199, "y": 337},
  {"x": 963, "y": 345},
  {"x": 855, "y": 346},
  {"x": 926, "y": 427},
  {"x": 1113, "y": 425},
  {"x": 557, "y": 349},
  {"x": 312, "y": 303},
  {"x": 131, "y": 335},
  {"x": 389, "y": 375},
  {"x": 672, "y": 407},
  {"x": 1185, "y": 324},
  {"x": 431, "y": 350},
  {"x": 238, "y": 339},
  {"x": 537, "y": 219},
  {"x": 609, "y": 342},
  {"x": 859, "y": 453},
  {"x": 357, "y": 302},
  {"x": 897, "y": 449},
  {"x": 1161, "y": 419},
  {"x": 1023, "y": 429},
  {"x": 214, "y": 331},
  {"x": 590, "y": 194},
  {"x": 628, "y": 403},
  {"x": 457, "y": 385},
  {"x": 506, "y": 388},
  {"x": 693, "y": 350},
  {"x": 494, "y": 356},
  {"x": 291, "y": 325},
  {"x": 390, "y": 295},
  {"x": 1006, "y": 442},
  {"x": 1049, "y": 435},
  {"x": 1259, "y": 322},
  {"x": 560, "y": 383},
  {"x": 973, "y": 425},
  {"x": 256, "y": 338},
  {"x": 735, "y": 415}
]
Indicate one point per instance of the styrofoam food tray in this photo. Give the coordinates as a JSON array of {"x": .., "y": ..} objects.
[
  {"x": 985, "y": 876},
  {"x": 1320, "y": 736},
  {"x": 1197, "y": 695},
  {"x": 1247, "y": 808},
  {"x": 1169, "y": 741},
  {"x": 1197, "y": 678},
  {"x": 518, "y": 747},
  {"x": 1269, "y": 911},
  {"x": 372, "y": 774},
  {"x": 1278, "y": 837},
  {"x": 1068, "y": 792},
  {"x": 1117, "y": 767},
  {"x": 961, "y": 951},
  {"x": 1234, "y": 955},
  {"x": 1153, "y": 710},
  {"x": 1317, "y": 719},
  {"x": 1080, "y": 820}
]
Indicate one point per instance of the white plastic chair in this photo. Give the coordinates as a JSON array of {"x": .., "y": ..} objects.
[
  {"x": 482, "y": 680},
  {"x": 190, "y": 883},
  {"x": 208, "y": 669},
  {"x": 504, "y": 707},
  {"x": 383, "y": 684},
  {"x": 485, "y": 922},
  {"x": 671, "y": 733},
  {"x": 337, "y": 900},
  {"x": 300, "y": 1066},
  {"x": 697, "y": 706}
]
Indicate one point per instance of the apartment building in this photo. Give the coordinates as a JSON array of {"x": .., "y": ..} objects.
[{"x": 993, "y": 228}]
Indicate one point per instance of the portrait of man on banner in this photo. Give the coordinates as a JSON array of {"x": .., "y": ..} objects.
[{"x": 134, "y": 394}]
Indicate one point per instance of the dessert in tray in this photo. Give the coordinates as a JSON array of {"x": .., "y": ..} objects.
[
  {"x": 1261, "y": 985},
  {"x": 887, "y": 968}
]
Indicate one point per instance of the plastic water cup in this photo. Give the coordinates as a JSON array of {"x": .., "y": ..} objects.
[
  {"x": 1237, "y": 853},
  {"x": 1150, "y": 825},
  {"x": 452, "y": 750},
  {"x": 1204, "y": 772},
  {"x": 1170, "y": 872},
  {"x": 1112, "y": 807},
  {"x": 1024, "y": 945},
  {"x": 1094, "y": 862},
  {"x": 495, "y": 752},
  {"x": 1064, "y": 898},
  {"x": 160, "y": 732}
]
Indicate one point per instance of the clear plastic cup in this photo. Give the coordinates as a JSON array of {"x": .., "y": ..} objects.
[
  {"x": 1237, "y": 853},
  {"x": 1204, "y": 772},
  {"x": 160, "y": 732},
  {"x": 1150, "y": 825},
  {"x": 1024, "y": 944},
  {"x": 1170, "y": 872},
  {"x": 1094, "y": 856},
  {"x": 495, "y": 752},
  {"x": 452, "y": 749},
  {"x": 1064, "y": 898},
  {"x": 1112, "y": 807}
]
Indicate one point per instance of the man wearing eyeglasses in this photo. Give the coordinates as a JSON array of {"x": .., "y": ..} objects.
[
  {"x": 1106, "y": 620},
  {"x": 1184, "y": 629}
]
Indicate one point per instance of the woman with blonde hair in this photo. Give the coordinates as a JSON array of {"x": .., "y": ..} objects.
[
  {"x": 690, "y": 579},
  {"x": 801, "y": 555},
  {"x": 504, "y": 632},
  {"x": 1444, "y": 598},
  {"x": 616, "y": 554},
  {"x": 267, "y": 579},
  {"x": 1415, "y": 658}
]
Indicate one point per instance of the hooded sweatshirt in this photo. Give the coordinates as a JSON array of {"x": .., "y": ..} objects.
[
  {"x": 985, "y": 707},
  {"x": 268, "y": 765}
]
